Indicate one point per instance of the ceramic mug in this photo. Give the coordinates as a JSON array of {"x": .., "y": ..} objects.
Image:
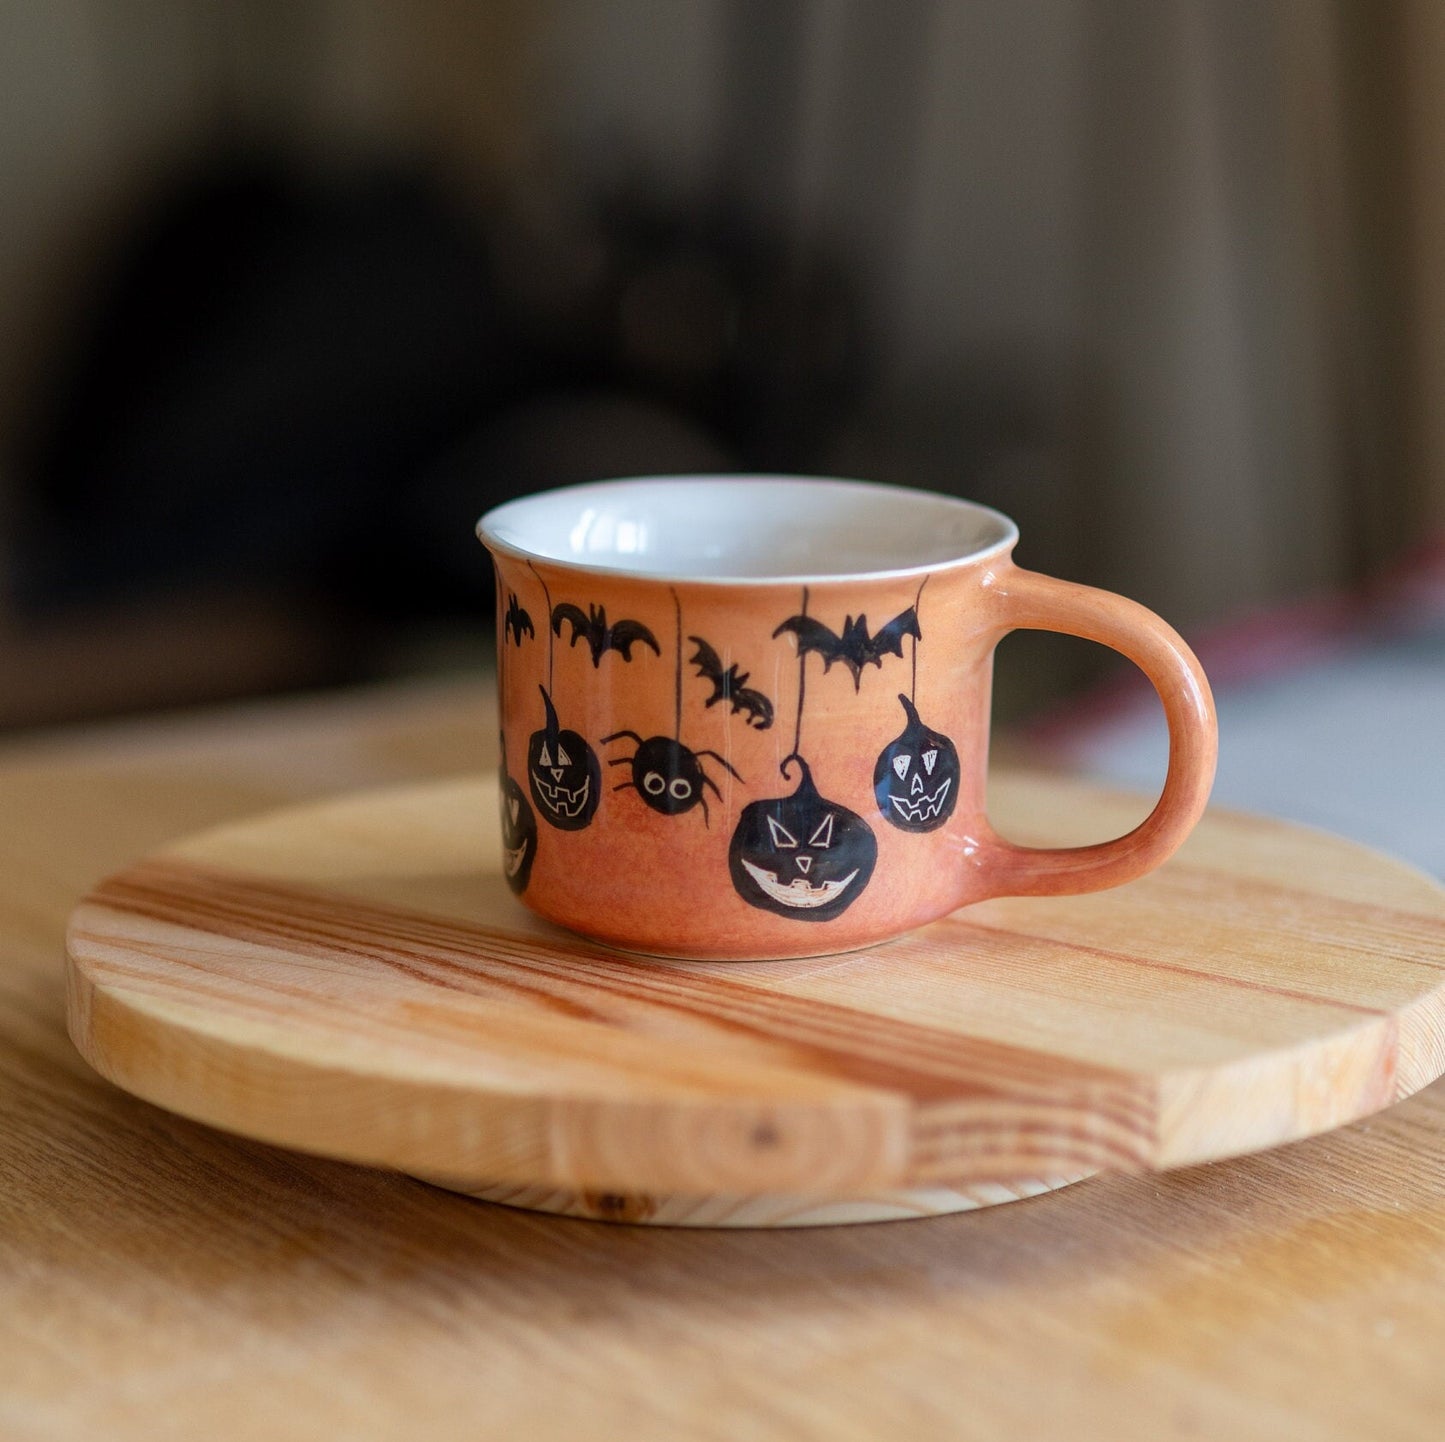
[{"x": 747, "y": 717}]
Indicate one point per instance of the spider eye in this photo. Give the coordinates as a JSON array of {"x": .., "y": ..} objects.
[
  {"x": 654, "y": 783},
  {"x": 680, "y": 788}
]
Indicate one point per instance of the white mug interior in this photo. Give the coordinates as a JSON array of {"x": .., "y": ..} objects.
[{"x": 747, "y": 528}]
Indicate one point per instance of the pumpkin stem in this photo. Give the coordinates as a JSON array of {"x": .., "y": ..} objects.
[
  {"x": 552, "y": 726},
  {"x": 677, "y": 675},
  {"x": 786, "y": 768},
  {"x": 909, "y": 710}
]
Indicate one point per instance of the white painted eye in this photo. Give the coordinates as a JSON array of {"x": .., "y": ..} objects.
[
  {"x": 900, "y": 765},
  {"x": 563, "y": 759},
  {"x": 546, "y": 757},
  {"x": 929, "y": 757},
  {"x": 782, "y": 837},
  {"x": 680, "y": 789},
  {"x": 822, "y": 836},
  {"x": 654, "y": 783},
  {"x": 514, "y": 806}
]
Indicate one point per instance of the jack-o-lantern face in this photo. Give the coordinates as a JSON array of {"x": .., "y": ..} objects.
[
  {"x": 916, "y": 778},
  {"x": 563, "y": 774},
  {"x": 519, "y": 831},
  {"x": 801, "y": 855}
]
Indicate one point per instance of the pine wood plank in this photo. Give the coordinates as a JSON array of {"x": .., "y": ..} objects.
[{"x": 245, "y": 977}]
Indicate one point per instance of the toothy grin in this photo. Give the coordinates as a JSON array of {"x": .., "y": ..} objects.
[
  {"x": 513, "y": 857},
  {"x": 798, "y": 893},
  {"x": 559, "y": 800},
  {"x": 926, "y": 808}
]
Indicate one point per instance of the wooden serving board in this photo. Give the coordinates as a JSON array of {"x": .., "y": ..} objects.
[{"x": 353, "y": 978}]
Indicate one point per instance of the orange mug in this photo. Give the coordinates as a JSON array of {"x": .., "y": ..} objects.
[{"x": 747, "y": 717}]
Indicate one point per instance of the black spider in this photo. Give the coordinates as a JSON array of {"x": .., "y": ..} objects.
[{"x": 666, "y": 774}]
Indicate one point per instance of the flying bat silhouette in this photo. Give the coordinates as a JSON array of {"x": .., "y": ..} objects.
[
  {"x": 516, "y": 621},
  {"x": 855, "y": 648},
  {"x": 601, "y": 637},
  {"x": 731, "y": 686}
]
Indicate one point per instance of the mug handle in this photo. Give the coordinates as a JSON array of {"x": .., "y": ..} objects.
[{"x": 1027, "y": 600}]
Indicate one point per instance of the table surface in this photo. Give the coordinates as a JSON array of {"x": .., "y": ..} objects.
[{"x": 160, "y": 1279}]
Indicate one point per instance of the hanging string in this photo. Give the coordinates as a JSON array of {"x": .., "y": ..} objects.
[
  {"x": 913, "y": 680},
  {"x": 548, "y": 623},
  {"x": 501, "y": 640},
  {"x": 677, "y": 682},
  {"x": 802, "y": 685}
]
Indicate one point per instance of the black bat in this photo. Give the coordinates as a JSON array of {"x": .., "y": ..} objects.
[
  {"x": 731, "y": 686},
  {"x": 601, "y": 637},
  {"x": 855, "y": 648},
  {"x": 516, "y": 621}
]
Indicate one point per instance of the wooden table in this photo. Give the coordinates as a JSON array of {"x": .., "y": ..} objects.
[{"x": 159, "y": 1279}]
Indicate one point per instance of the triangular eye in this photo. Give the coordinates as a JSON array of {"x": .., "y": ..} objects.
[
  {"x": 782, "y": 837},
  {"x": 822, "y": 836},
  {"x": 563, "y": 759},
  {"x": 515, "y": 806},
  {"x": 546, "y": 756},
  {"x": 900, "y": 764},
  {"x": 929, "y": 757}
]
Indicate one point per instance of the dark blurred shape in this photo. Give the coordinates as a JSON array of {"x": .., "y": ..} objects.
[
  {"x": 320, "y": 384},
  {"x": 698, "y": 305},
  {"x": 273, "y": 363}
]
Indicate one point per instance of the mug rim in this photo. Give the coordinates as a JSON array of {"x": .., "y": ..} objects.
[{"x": 492, "y": 528}]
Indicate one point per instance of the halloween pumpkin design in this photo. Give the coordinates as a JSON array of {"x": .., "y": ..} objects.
[
  {"x": 801, "y": 855},
  {"x": 563, "y": 773},
  {"x": 916, "y": 778},
  {"x": 519, "y": 831}
]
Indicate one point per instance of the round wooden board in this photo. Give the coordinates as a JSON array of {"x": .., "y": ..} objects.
[{"x": 353, "y": 978}]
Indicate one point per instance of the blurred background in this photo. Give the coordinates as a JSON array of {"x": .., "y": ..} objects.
[{"x": 292, "y": 290}]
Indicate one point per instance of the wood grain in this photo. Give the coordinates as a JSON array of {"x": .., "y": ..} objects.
[
  {"x": 353, "y": 978},
  {"x": 163, "y": 1280}
]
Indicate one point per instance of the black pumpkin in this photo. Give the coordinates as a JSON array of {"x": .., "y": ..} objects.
[
  {"x": 802, "y": 855},
  {"x": 562, "y": 773},
  {"x": 916, "y": 778},
  {"x": 519, "y": 830}
]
